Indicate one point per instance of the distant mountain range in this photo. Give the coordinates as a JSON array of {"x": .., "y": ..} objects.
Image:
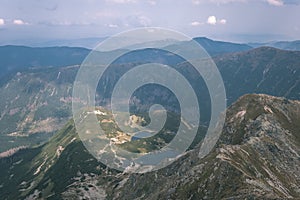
[
  {"x": 88, "y": 43},
  {"x": 220, "y": 47},
  {"x": 14, "y": 58},
  {"x": 284, "y": 45},
  {"x": 18, "y": 58},
  {"x": 91, "y": 43}
]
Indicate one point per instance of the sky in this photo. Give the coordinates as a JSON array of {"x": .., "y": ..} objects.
[{"x": 229, "y": 20}]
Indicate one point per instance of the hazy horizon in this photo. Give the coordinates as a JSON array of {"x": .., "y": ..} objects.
[{"x": 239, "y": 21}]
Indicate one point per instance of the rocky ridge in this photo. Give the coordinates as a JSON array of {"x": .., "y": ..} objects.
[{"x": 256, "y": 157}]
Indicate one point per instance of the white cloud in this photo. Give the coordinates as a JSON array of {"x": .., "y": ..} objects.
[
  {"x": 212, "y": 20},
  {"x": 195, "y": 23},
  {"x": 19, "y": 22},
  {"x": 2, "y": 22},
  {"x": 112, "y": 25},
  {"x": 275, "y": 2},
  {"x": 223, "y": 21}
]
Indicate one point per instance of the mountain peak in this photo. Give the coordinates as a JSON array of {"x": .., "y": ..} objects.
[
  {"x": 202, "y": 38},
  {"x": 260, "y": 111},
  {"x": 256, "y": 158}
]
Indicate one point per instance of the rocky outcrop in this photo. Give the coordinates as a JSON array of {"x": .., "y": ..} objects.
[{"x": 257, "y": 157}]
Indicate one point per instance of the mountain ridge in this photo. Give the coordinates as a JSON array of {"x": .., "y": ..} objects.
[
  {"x": 284, "y": 45},
  {"x": 263, "y": 70},
  {"x": 20, "y": 58},
  {"x": 257, "y": 156}
]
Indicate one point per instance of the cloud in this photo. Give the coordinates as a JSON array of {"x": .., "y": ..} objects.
[
  {"x": 19, "y": 22},
  {"x": 2, "y": 22},
  {"x": 223, "y": 21},
  {"x": 212, "y": 20},
  {"x": 112, "y": 25},
  {"x": 196, "y": 23},
  {"x": 275, "y": 2}
]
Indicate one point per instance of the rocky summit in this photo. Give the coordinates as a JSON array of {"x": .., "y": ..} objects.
[{"x": 256, "y": 157}]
